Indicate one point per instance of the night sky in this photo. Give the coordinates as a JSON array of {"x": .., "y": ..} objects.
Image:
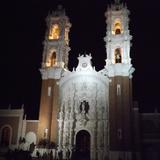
[{"x": 24, "y": 29}]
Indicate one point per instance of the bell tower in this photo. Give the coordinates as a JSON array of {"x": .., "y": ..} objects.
[
  {"x": 56, "y": 44},
  {"x": 55, "y": 60},
  {"x": 119, "y": 69}
]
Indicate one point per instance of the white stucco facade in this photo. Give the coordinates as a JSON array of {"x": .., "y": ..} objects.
[{"x": 84, "y": 106}]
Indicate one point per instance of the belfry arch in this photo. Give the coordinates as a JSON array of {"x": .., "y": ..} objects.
[
  {"x": 118, "y": 55},
  {"x": 117, "y": 27},
  {"x": 53, "y": 58}
]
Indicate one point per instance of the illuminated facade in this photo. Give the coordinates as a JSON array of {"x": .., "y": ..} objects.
[{"x": 84, "y": 108}]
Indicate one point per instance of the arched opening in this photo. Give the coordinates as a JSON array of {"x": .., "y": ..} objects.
[
  {"x": 53, "y": 58},
  {"x": 118, "y": 56},
  {"x": 83, "y": 145},
  {"x": 117, "y": 27},
  {"x": 5, "y": 136},
  {"x": 54, "y": 32},
  {"x": 118, "y": 31}
]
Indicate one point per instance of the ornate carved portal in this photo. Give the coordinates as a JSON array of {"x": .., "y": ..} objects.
[{"x": 118, "y": 55}]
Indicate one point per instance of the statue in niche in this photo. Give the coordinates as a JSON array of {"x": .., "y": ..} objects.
[
  {"x": 53, "y": 59},
  {"x": 83, "y": 114},
  {"x": 118, "y": 58},
  {"x": 84, "y": 107}
]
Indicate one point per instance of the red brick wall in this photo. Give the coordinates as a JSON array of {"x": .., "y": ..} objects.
[{"x": 120, "y": 114}]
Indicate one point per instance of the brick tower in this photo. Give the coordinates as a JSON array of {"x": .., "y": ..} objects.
[
  {"x": 119, "y": 68},
  {"x": 55, "y": 60}
]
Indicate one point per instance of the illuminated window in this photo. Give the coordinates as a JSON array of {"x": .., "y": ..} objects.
[
  {"x": 117, "y": 28},
  {"x": 118, "y": 31},
  {"x": 118, "y": 57},
  {"x": 51, "y": 60},
  {"x": 54, "y": 32}
]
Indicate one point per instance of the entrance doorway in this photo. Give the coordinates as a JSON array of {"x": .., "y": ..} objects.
[
  {"x": 5, "y": 136},
  {"x": 83, "y": 145}
]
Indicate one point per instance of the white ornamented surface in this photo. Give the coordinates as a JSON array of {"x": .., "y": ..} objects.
[
  {"x": 51, "y": 73},
  {"x": 84, "y": 107},
  {"x": 119, "y": 69},
  {"x": 122, "y": 41},
  {"x": 84, "y": 92}
]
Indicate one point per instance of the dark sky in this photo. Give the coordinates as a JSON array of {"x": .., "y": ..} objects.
[{"x": 24, "y": 29}]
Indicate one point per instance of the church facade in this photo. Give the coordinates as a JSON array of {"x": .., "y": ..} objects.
[
  {"x": 87, "y": 110},
  {"x": 84, "y": 108}
]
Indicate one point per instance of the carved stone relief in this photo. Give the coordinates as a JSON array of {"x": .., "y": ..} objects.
[{"x": 84, "y": 107}]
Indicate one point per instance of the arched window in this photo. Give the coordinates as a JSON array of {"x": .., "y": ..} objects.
[
  {"x": 53, "y": 59},
  {"x": 118, "y": 31},
  {"x": 5, "y": 136},
  {"x": 117, "y": 27},
  {"x": 54, "y": 32},
  {"x": 118, "y": 56}
]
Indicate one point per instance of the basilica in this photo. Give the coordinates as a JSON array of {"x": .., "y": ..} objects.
[{"x": 84, "y": 109}]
